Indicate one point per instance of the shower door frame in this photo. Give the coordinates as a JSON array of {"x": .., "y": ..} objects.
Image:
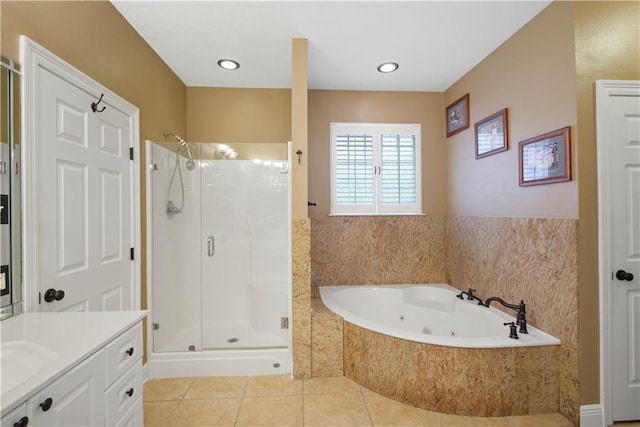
[{"x": 197, "y": 360}]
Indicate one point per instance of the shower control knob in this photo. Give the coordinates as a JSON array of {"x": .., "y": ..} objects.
[
  {"x": 53, "y": 295},
  {"x": 623, "y": 275}
]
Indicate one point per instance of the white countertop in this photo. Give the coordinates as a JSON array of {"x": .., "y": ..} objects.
[{"x": 64, "y": 338}]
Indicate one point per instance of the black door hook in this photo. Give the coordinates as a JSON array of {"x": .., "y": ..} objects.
[{"x": 94, "y": 105}]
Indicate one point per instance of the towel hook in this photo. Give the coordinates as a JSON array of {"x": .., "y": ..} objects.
[
  {"x": 94, "y": 105},
  {"x": 299, "y": 153}
]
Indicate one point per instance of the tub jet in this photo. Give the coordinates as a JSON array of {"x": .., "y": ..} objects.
[{"x": 232, "y": 340}]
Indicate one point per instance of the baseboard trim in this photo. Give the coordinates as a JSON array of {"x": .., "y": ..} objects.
[{"x": 591, "y": 416}]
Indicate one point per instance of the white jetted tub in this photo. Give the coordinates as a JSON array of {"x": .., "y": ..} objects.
[{"x": 429, "y": 314}]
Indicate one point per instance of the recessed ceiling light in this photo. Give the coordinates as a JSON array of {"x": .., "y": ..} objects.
[
  {"x": 228, "y": 64},
  {"x": 388, "y": 67}
]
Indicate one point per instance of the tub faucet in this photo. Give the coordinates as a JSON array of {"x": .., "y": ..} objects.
[
  {"x": 470, "y": 296},
  {"x": 520, "y": 309}
]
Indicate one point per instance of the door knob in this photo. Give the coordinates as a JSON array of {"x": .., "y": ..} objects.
[
  {"x": 623, "y": 275},
  {"x": 53, "y": 295}
]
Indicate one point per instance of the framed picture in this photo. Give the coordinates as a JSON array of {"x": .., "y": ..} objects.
[
  {"x": 545, "y": 159},
  {"x": 458, "y": 116},
  {"x": 491, "y": 135}
]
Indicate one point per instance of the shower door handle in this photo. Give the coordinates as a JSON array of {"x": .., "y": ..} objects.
[{"x": 211, "y": 246}]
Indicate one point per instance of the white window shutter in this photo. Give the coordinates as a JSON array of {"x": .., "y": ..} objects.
[{"x": 375, "y": 169}]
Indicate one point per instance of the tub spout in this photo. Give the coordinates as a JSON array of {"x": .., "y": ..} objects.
[
  {"x": 470, "y": 296},
  {"x": 520, "y": 309}
]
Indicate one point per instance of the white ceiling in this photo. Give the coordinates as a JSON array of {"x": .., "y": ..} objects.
[{"x": 435, "y": 42}]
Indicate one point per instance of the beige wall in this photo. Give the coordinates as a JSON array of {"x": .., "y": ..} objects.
[
  {"x": 231, "y": 115},
  {"x": 383, "y": 107},
  {"x": 607, "y": 38},
  {"x": 93, "y": 37},
  {"x": 532, "y": 74}
]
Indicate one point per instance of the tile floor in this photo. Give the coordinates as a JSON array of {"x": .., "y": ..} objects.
[{"x": 277, "y": 400}]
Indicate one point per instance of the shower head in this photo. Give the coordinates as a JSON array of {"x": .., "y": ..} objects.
[{"x": 191, "y": 164}]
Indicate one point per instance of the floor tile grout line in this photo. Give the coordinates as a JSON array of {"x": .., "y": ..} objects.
[
  {"x": 366, "y": 407},
  {"x": 244, "y": 394}
]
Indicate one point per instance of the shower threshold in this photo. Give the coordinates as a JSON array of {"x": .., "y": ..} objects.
[{"x": 220, "y": 363}]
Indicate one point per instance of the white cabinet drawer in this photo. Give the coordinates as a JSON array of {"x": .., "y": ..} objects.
[
  {"x": 122, "y": 395},
  {"x": 123, "y": 352},
  {"x": 74, "y": 399},
  {"x": 17, "y": 417},
  {"x": 134, "y": 416}
]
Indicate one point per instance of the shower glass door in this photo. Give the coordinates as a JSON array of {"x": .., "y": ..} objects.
[{"x": 221, "y": 265}]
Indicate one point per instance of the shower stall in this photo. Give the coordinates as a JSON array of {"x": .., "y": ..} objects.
[{"x": 218, "y": 255}]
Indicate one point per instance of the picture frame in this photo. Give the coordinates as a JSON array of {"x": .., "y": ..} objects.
[
  {"x": 545, "y": 159},
  {"x": 457, "y": 116},
  {"x": 492, "y": 134}
]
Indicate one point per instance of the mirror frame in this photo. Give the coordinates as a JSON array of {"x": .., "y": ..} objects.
[{"x": 11, "y": 301}]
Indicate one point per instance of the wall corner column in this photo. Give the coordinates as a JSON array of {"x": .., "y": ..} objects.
[{"x": 301, "y": 227}]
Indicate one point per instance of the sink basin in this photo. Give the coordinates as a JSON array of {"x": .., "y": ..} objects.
[{"x": 21, "y": 360}]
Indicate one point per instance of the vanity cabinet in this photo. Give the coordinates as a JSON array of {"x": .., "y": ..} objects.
[{"x": 103, "y": 389}]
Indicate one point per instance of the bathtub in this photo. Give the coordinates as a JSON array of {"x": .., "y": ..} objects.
[
  {"x": 430, "y": 314},
  {"x": 420, "y": 345}
]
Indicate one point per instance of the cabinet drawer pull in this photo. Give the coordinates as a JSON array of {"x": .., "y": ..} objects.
[
  {"x": 130, "y": 351},
  {"x": 129, "y": 392},
  {"x": 24, "y": 422},
  {"x": 46, "y": 405}
]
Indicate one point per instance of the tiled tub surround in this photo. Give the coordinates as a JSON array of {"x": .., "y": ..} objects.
[
  {"x": 326, "y": 341},
  {"x": 533, "y": 259},
  {"x": 359, "y": 250},
  {"x": 461, "y": 381},
  {"x": 301, "y": 298}
]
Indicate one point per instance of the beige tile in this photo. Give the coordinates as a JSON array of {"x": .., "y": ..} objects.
[
  {"x": 327, "y": 347},
  {"x": 330, "y": 385},
  {"x": 273, "y": 385},
  {"x": 271, "y": 411},
  {"x": 212, "y": 387},
  {"x": 546, "y": 420},
  {"x": 208, "y": 412},
  {"x": 159, "y": 414},
  {"x": 388, "y": 412},
  {"x": 166, "y": 389},
  {"x": 347, "y": 409},
  {"x": 627, "y": 424},
  {"x": 448, "y": 420}
]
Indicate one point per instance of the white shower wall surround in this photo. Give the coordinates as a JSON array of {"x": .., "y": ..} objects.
[{"x": 219, "y": 269}]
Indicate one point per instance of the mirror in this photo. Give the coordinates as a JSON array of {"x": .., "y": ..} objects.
[{"x": 10, "y": 204}]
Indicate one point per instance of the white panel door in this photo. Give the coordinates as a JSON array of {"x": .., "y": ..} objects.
[
  {"x": 624, "y": 167},
  {"x": 84, "y": 181}
]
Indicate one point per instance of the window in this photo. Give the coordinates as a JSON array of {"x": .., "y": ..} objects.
[{"x": 375, "y": 169}]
